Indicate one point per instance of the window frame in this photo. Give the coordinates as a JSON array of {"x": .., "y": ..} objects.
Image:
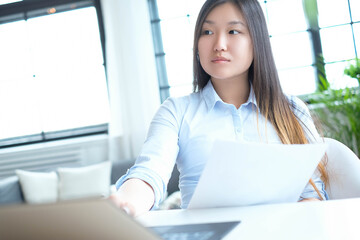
[
  {"x": 19, "y": 11},
  {"x": 164, "y": 86}
]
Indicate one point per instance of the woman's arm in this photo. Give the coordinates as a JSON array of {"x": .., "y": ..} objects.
[
  {"x": 303, "y": 114},
  {"x": 143, "y": 187},
  {"x": 134, "y": 196}
]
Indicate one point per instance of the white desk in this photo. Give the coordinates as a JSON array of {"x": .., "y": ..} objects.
[{"x": 336, "y": 219}]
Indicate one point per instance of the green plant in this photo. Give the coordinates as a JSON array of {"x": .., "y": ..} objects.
[
  {"x": 338, "y": 111},
  {"x": 354, "y": 70}
]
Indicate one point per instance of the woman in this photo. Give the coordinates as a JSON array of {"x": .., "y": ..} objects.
[{"x": 237, "y": 96}]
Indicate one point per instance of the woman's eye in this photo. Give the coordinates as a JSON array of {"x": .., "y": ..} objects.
[
  {"x": 234, "y": 32},
  {"x": 207, "y": 32}
]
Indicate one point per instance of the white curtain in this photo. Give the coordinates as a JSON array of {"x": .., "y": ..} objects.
[{"x": 132, "y": 78}]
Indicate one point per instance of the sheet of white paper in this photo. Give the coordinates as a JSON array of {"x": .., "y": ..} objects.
[{"x": 239, "y": 174}]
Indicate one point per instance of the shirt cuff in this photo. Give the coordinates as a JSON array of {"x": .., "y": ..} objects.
[
  {"x": 148, "y": 176},
  {"x": 309, "y": 191}
]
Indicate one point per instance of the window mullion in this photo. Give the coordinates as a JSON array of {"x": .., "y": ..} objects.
[{"x": 159, "y": 50}]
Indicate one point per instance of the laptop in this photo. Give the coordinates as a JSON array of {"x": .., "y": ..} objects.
[
  {"x": 200, "y": 231},
  {"x": 93, "y": 219}
]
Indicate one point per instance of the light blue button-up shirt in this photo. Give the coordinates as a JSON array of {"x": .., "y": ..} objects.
[{"x": 183, "y": 130}]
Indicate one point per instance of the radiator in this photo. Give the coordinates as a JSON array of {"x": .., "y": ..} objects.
[{"x": 48, "y": 157}]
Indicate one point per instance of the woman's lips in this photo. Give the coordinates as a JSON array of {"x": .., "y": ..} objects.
[{"x": 220, "y": 60}]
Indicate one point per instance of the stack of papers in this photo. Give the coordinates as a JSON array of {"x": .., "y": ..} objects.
[{"x": 242, "y": 174}]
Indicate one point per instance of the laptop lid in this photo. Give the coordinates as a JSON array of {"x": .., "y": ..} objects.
[{"x": 81, "y": 220}]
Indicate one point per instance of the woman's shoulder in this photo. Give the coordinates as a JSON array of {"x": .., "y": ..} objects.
[
  {"x": 178, "y": 107},
  {"x": 181, "y": 102},
  {"x": 302, "y": 112},
  {"x": 295, "y": 101},
  {"x": 298, "y": 106}
]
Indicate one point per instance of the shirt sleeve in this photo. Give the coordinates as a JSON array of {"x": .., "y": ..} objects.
[
  {"x": 309, "y": 191},
  {"x": 158, "y": 155},
  {"x": 303, "y": 114}
]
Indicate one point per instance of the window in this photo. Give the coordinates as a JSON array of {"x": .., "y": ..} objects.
[
  {"x": 338, "y": 22},
  {"x": 52, "y": 75},
  {"x": 174, "y": 22},
  {"x": 291, "y": 40},
  {"x": 291, "y": 45}
]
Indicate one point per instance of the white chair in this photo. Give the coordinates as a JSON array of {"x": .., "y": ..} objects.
[{"x": 344, "y": 171}]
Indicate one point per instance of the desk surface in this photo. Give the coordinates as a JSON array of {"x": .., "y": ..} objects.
[{"x": 336, "y": 219}]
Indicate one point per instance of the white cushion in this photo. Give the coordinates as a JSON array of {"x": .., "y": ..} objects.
[
  {"x": 344, "y": 171},
  {"x": 38, "y": 187},
  {"x": 84, "y": 182}
]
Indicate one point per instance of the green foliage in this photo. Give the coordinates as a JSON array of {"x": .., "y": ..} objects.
[
  {"x": 338, "y": 111},
  {"x": 353, "y": 70},
  {"x": 323, "y": 84},
  {"x": 311, "y": 12}
]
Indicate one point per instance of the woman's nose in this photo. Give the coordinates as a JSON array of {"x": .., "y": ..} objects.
[{"x": 220, "y": 43}]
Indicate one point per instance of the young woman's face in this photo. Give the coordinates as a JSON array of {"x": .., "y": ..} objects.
[{"x": 225, "y": 46}]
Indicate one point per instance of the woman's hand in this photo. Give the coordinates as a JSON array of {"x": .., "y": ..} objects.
[
  {"x": 309, "y": 200},
  {"x": 135, "y": 197},
  {"x": 124, "y": 205}
]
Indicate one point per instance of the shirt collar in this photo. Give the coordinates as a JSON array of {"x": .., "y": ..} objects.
[{"x": 211, "y": 97}]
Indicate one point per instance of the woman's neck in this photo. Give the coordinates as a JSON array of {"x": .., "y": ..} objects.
[{"x": 234, "y": 91}]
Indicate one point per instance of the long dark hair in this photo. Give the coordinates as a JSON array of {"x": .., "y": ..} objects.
[{"x": 263, "y": 75}]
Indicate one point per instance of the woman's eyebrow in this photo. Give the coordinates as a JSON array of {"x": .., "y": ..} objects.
[
  {"x": 209, "y": 22},
  {"x": 229, "y": 23},
  {"x": 236, "y": 22}
]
